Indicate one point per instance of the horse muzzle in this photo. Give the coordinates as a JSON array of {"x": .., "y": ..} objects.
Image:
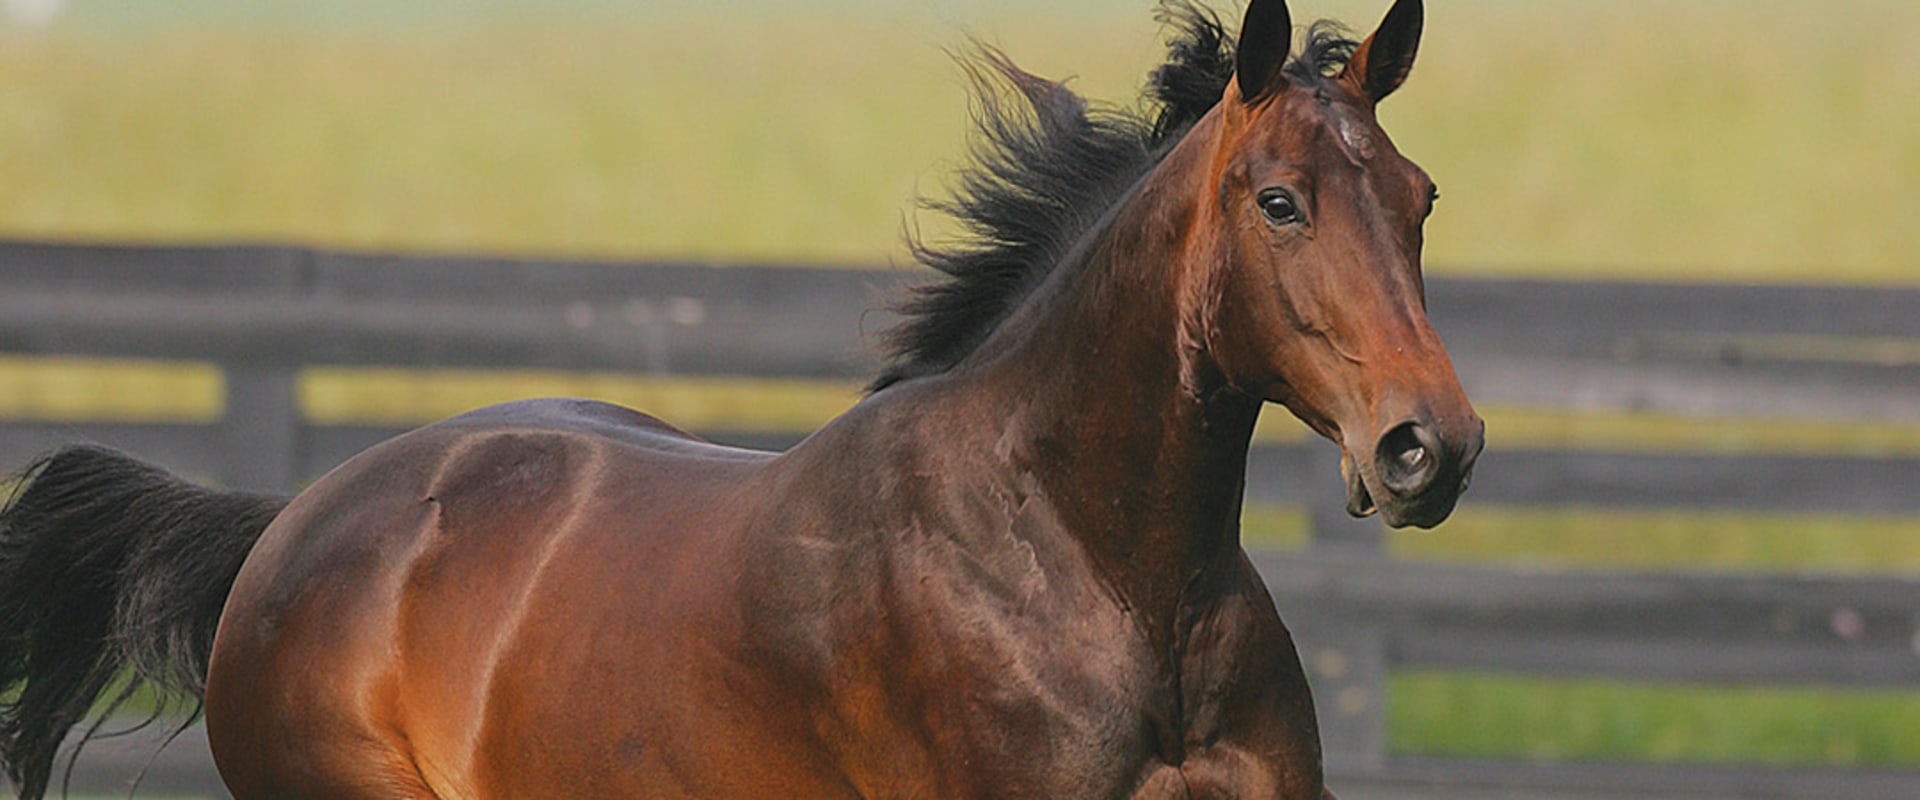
[{"x": 1417, "y": 471}]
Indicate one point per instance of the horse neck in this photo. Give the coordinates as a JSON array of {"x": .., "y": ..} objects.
[{"x": 1108, "y": 403}]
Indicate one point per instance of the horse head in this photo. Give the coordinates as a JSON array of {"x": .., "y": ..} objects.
[{"x": 1315, "y": 294}]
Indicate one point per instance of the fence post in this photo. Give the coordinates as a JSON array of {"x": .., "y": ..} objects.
[{"x": 261, "y": 429}]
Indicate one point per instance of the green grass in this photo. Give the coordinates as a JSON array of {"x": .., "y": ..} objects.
[
  {"x": 1674, "y": 140},
  {"x": 120, "y": 390},
  {"x": 1593, "y": 538},
  {"x": 1640, "y": 432},
  {"x": 416, "y": 397},
  {"x": 1634, "y": 540},
  {"x": 1477, "y": 715}
]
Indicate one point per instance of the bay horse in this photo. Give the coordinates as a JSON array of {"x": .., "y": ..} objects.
[{"x": 1012, "y": 571}]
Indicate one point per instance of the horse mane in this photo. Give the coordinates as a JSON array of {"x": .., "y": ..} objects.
[{"x": 1045, "y": 166}]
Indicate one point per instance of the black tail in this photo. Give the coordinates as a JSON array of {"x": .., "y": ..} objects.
[{"x": 109, "y": 567}]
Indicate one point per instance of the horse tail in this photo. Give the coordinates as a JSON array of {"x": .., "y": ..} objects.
[{"x": 112, "y": 577}]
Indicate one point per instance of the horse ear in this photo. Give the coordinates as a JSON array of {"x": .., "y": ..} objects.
[
  {"x": 1382, "y": 62},
  {"x": 1265, "y": 36}
]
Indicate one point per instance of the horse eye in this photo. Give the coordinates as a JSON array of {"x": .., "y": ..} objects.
[{"x": 1278, "y": 207}]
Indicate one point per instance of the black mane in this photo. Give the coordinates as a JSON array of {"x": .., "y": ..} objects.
[{"x": 1046, "y": 166}]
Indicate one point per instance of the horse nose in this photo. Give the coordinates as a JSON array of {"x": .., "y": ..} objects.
[
  {"x": 1413, "y": 456},
  {"x": 1407, "y": 459}
]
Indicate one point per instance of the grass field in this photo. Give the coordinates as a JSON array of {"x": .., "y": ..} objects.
[
  {"x": 1466, "y": 714},
  {"x": 1674, "y": 140}
]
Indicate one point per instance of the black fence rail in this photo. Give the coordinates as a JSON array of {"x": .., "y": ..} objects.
[{"x": 264, "y": 315}]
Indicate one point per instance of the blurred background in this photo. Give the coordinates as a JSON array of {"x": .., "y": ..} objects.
[
  {"x": 1683, "y": 140},
  {"x": 1677, "y": 256}
]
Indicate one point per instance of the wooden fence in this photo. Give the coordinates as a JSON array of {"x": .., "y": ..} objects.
[{"x": 1802, "y": 356}]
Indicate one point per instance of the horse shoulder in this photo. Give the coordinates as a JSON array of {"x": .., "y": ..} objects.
[{"x": 943, "y": 610}]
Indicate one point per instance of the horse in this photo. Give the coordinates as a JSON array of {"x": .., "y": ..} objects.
[{"x": 1012, "y": 570}]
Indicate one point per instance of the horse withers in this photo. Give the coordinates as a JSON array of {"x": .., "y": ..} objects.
[{"x": 1012, "y": 571}]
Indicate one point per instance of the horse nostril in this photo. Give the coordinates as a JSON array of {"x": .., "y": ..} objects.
[{"x": 1406, "y": 461}]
